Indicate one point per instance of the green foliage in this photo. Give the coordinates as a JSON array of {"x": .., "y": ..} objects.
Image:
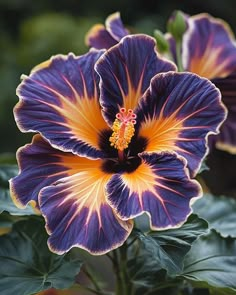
[
  {"x": 50, "y": 34},
  {"x": 219, "y": 212},
  {"x": 168, "y": 259},
  {"x": 212, "y": 259},
  {"x": 26, "y": 264},
  {"x": 164, "y": 251},
  {"x": 6, "y": 222}
]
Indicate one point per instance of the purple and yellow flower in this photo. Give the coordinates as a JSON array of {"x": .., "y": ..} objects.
[
  {"x": 104, "y": 37},
  {"x": 120, "y": 133},
  {"x": 209, "y": 50}
]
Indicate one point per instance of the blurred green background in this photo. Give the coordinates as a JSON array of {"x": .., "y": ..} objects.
[{"x": 32, "y": 31}]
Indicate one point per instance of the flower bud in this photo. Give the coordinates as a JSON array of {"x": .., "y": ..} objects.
[
  {"x": 177, "y": 25},
  {"x": 162, "y": 44}
]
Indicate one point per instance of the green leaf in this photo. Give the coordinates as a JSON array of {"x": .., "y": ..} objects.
[
  {"x": 162, "y": 43},
  {"x": 26, "y": 264},
  {"x": 212, "y": 259},
  {"x": 211, "y": 290},
  {"x": 164, "y": 250},
  {"x": 6, "y": 203},
  {"x": 5, "y": 223},
  {"x": 220, "y": 212},
  {"x": 5, "y": 220},
  {"x": 144, "y": 271},
  {"x": 223, "y": 291}
]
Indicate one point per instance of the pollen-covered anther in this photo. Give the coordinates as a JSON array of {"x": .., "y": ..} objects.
[{"x": 123, "y": 129}]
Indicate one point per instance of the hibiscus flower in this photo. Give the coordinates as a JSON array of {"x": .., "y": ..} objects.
[
  {"x": 209, "y": 50},
  {"x": 119, "y": 133}
]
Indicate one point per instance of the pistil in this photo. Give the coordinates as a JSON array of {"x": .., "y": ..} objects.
[{"x": 123, "y": 131}]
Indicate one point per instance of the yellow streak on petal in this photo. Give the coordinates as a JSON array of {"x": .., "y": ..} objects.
[
  {"x": 141, "y": 180},
  {"x": 84, "y": 119},
  {"x": 76, "y": 164},
  {"x": 162, "y": 133},
  {"x": 32, "y": 203},
  {"x": 42, "y": 65},
  {"x": 208, "y": 65},
  {"x": 86, "y": 189},
  {"x": 83, "y": 116},
  {"x": 85, "y": 185},
  {"x": 134, "y": 94},
  {"x": 144, "y": 179}
]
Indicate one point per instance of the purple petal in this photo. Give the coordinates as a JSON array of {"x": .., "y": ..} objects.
[
  {"x": 60, "y": 100},
  {"x": 209, "y": 48},
  {"x": 115, "y": 26},
  {"x": 160, "y": 186},
  {"x": 101, "y": 37},
  {"x": 126, "y": 71},
  {"x": 98, "y": 37},
  {"x": 77, "y": 214},
  {"x": 226, "y": 139},
  {"x": 40, "y": 166},
  {"x": 172, "y": 46},
  {"x": 178, "y": 113}
]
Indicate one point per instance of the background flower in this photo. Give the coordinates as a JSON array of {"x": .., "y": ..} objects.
[
  {"x": 100, "y": 36},
  {"x": 209, "y": 50}
]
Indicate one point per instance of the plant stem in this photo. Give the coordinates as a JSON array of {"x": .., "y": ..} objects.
[
  {"x": 93, "y": 281},
  {"x": 116, "y": 266},
  {"x": 179, "y": 56},
  {"x": 123, "y": 257},
  {"x": 111, "y": 258},
  {"x": 123, "y": 286},
  {"x": 131, "y": 243}
]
